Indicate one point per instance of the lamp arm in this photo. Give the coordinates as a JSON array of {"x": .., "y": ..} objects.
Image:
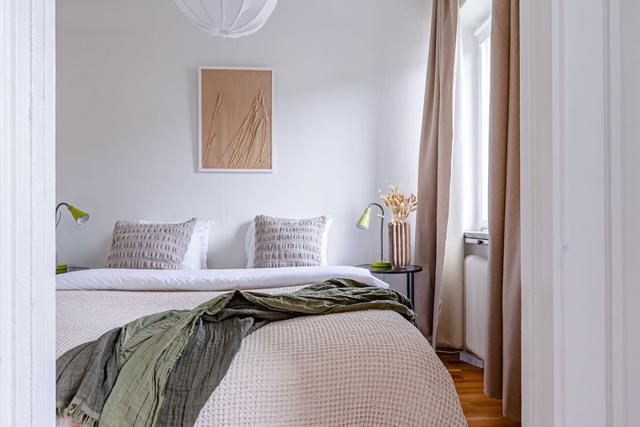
[
  {"x": 58, "y": 216},
  {"x": 381, "y": 229}
]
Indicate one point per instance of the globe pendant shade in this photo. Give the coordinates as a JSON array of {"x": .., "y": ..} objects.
[{"x": 228, "y": 18}]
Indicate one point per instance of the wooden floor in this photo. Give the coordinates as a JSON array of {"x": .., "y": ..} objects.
[{"x": 480, "y": 410}]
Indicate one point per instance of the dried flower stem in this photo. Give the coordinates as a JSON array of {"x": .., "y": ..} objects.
[
  {"x": 401, "y": 204},
  {"x": 211, "y": 132},
  {"x": 254, "y": 126}
]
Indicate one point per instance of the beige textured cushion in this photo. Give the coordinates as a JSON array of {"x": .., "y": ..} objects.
[
  {"x": 282, "y": 242},
  {"x": 149, "y": 246}
]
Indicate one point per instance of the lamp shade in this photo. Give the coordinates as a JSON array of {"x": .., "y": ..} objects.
[
  {"x": 79, "y": 215},
  {"x": 228, "y": 18},
  {"x": 365, "y": 219}
]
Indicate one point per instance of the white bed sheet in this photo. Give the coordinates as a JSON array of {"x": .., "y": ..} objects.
[{"x": 112, "y": 279}]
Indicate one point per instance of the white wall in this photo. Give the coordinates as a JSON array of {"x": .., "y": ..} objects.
[
  {"x": 627, "y": 257},
  {"x": 402, "y": 96},
  {"x": 349, "y": 79}
]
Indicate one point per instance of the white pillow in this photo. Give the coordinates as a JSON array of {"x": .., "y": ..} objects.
[
  {"x": 196, "y": 256},
  {"x": 250, "y": 242}
]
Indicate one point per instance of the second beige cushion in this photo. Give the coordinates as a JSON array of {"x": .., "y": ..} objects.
[{"x": 284, "y": 242}]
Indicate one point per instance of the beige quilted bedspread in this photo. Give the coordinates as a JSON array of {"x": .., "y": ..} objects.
[{"x": 370, "y": 368}]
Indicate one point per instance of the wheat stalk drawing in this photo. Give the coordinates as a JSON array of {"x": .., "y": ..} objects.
[
  {"x": 247, "y": 147},
  {"x": 211, "y": 132}
]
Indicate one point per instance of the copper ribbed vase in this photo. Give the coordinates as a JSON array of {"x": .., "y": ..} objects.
[{"x": 399, "y": 244}]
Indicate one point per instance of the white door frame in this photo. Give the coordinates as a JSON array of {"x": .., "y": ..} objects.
[
  {"x": 570, "y": 192},
  {"x": 27, "y": 187}
]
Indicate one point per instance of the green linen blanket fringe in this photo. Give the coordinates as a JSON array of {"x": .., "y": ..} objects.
[{"x": 161, "y": 369}]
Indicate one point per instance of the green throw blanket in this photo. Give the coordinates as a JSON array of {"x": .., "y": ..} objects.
[{"x": 161, "y": 369}]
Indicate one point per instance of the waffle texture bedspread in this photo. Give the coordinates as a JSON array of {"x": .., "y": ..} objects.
[{"x": 357, "y": 368}]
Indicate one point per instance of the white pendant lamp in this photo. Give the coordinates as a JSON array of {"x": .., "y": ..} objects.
[{"x": 228, "y": 18}]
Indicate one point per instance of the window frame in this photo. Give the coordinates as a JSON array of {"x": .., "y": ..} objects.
[{"x": 481, "y": 34}]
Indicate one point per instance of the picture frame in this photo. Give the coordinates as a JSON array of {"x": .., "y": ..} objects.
[{"x": 235, "y": 119}]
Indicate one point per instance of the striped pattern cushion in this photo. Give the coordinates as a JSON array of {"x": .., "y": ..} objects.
[
  {"x": 282, "y": 242},
  {"x": 149, "y": 246}
]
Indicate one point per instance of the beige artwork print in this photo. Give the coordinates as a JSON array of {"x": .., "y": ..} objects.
[{"x": 235, "y": 119}]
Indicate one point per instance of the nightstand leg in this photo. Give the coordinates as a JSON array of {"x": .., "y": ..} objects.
[{"x": 410, "y": 288}]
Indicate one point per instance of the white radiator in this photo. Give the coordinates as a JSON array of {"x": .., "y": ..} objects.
[{"x": 475, "y": 304}]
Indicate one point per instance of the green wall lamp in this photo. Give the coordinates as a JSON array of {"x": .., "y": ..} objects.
[
  {"x": 363, "y": 224},
  {"x": 79, "y": 216}
]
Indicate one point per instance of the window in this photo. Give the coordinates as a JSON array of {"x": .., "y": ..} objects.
[
  {"x": 481, "y": 134},
  {"x": 472, "y": 114}
]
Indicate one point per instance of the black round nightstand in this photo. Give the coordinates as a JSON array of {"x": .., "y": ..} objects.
[{"x": 409, "y": 271}]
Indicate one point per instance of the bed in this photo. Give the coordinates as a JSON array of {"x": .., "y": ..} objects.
[{"x": 358, "y": 368}]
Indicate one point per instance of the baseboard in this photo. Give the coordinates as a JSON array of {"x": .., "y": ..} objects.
[{"x": 471, "y": 359}]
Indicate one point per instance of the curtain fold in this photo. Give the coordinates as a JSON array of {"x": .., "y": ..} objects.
[
  {"x": 502, "y": 361},
  {"x": 434, "y": 167}
]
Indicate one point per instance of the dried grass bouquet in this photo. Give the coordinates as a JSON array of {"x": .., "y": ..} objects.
[{"x": 401, "y": 204}]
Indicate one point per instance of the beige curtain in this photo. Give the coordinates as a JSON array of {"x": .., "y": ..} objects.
[
  {"x": 502, "y": 364},
  {"x": 434, "y": 168}
]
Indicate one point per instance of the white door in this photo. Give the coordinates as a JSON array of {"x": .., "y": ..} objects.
[{"x": 27, "y": 183}]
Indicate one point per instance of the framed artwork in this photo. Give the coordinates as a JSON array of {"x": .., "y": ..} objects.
[{"x": 235, "y": 108}]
